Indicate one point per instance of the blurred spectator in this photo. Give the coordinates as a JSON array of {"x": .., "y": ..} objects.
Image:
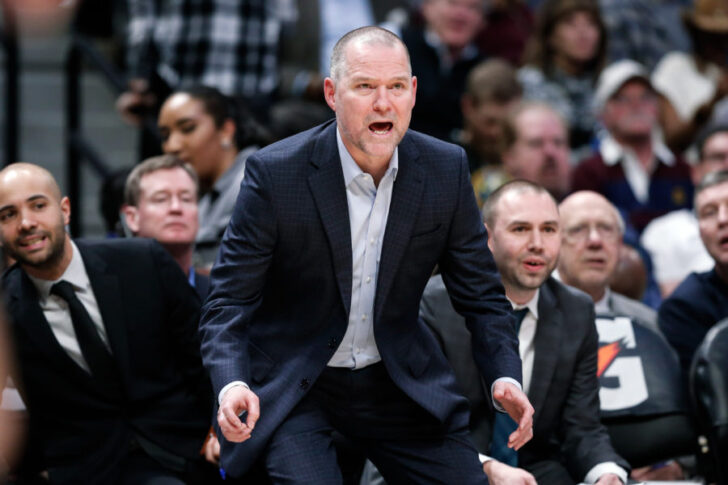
[
  {"x": 631, "y": 277},
  {"x": 563, "y": 60},
  {"x": 508, "y": 26},
  {"x": 535, "y": 148},
  {"x": 175, "y": 44},
  {"x": 209, "y": 131},
  {"x": 442, "y": 53},
  {"x": 633, "y": 168},
  {"x": 644, "y": 30},
  {"x": 701, "y": 300},
  {"x": 693, "y": 86},
  {"x": 491, "y": 91},
  {"x": 160, "y": 202},
  {"x": 106, "y": 338},
  {"x": 673, "y": 240}
]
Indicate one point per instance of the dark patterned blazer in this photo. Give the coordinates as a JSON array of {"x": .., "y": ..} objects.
[{"x": 281, "y": 287}]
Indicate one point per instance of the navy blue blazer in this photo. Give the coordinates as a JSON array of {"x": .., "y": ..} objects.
[{"x": 281, "y": 286}]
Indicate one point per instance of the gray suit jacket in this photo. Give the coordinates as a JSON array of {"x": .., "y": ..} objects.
[
  {"x": 621, "y": 305},
  {"x": 564, "y": 388}
]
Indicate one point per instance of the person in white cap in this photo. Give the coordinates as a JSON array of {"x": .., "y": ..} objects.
[{"x": 633, "y": 168}]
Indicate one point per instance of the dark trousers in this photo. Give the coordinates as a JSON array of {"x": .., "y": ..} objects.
[{"x": 405, "y": 442}]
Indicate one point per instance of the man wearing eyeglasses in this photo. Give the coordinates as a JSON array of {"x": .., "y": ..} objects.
[{"x": 590, "y": 249}]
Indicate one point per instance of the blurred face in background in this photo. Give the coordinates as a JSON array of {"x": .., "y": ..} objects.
[
  {"x": 714, "y": 157},
  {"x": 631, "y": 113},
  {"x": 484, "y": 122},
  {"x": 575, "y": 39},
  {"x": 456, "y": 22},
  {"x": 540, "y": 153},
  {"x": 190, "y": 133},
  {"x": 167, "y": 207}
]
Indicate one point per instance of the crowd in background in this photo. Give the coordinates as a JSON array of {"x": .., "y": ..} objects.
[{"x": 625, "y": 99}]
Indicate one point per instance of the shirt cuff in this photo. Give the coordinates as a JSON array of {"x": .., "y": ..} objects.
[
  {"x": 231, "y": 385},
  {"x": 602, "y": 469},
  {"x": 484, "y": 458},
  {"x": 496, "y": 404}
]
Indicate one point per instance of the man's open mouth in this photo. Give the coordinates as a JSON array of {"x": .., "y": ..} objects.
[{"x": 381, "y": 128}]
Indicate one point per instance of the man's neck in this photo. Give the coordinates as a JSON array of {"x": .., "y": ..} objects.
[
  {"x": 642, "y": 148},
  {"x": 519, "y": 296}
]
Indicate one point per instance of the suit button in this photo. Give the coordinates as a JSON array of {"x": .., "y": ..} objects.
[
  {"x": 304, "y": 384},
  {"x": 332, "y": 343}
]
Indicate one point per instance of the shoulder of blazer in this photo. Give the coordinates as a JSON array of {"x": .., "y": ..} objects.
[{"x": 571, "y": 300}]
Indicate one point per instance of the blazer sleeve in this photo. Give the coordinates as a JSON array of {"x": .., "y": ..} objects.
[
  {"x": 475, "y": 289},
  {"x": 585, "y": 440},
  {"x": 238, "y": 278}
]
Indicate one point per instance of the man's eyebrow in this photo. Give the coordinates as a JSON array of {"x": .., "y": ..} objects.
[{"x": 29, "y": 199}]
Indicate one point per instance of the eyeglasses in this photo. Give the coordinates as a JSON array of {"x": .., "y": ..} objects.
[{"x": 582, "y": 232}]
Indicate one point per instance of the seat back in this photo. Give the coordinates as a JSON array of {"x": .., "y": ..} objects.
[
  {"x": 709, "y": 391},
  {"x": 644, "y": 402}
]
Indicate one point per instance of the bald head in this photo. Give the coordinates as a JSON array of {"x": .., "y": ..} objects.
[
  {"x": 591, "y": 242},
  {"x": 11, "y": 174},
  {"x": 370, "y": 35},
  {"x": 33, "y": 216}
]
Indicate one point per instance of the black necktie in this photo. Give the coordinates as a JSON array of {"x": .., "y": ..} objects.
[
  {"x": 97, "y": 356},
  {"x": 503, "y": 425}
]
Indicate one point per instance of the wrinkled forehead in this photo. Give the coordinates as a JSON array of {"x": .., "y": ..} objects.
[{"x": 712, "y": 195}]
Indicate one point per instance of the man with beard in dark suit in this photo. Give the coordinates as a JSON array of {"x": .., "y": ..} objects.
[
  {"x": 557, "y": 344},
  {"x": 106, "y": 338}
]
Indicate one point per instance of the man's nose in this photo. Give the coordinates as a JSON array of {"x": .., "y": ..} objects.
[
  {"x": 27, "y": 221},
  {"x": 382, "y": 101}
]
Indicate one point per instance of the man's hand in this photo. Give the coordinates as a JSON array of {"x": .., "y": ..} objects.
[
  {"x": 137, "y": 100},
  {"x": 502, "y": 474},
  {"x": 212, "y": 449},
  {"x": 663, "y": 472},
  {"x": 609, "y": 479},
  {"x": 236, "y": 400},
  {"x": 516, "y": 404}
]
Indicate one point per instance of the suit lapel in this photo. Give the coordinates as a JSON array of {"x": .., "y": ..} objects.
[
  {"x": 39, "y": 331},
  {"x": 327, "y": 186},
  {"x": 108, "y": 297},
  {"x": 549, "y": 332},
  {"x": 403, "y": 209}
]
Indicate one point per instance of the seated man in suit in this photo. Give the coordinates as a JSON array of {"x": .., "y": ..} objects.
[
  {"x": 638, "y": 373},
  {"x": 592, "y": 230},
  {"x": 160, "y": 202},
  {"x": 106, "y": 338},
  {"x": 557, "y": 343}
]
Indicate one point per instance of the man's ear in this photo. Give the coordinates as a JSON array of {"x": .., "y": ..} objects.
[
  {"x": 329, "y": 91},
  {"x": 131, "y": 214},
  {"x": 490, "y": 237},
  {"x": 66, "y": 210}
]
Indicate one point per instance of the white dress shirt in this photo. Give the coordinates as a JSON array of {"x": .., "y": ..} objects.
[
  {"x": 55, "y": 309},
  {"x": 526, "y": 340}
]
